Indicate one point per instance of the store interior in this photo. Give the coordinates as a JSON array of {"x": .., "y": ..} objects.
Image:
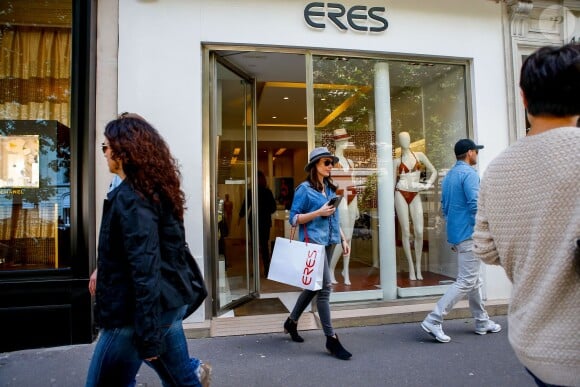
[{"x": 281, "y": 139}]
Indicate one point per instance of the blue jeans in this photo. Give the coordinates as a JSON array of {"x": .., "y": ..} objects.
[
  {"x": 116, "y": 360},
  {"x": 468, "y": 283},
  {"x": 322, "y": 299}
]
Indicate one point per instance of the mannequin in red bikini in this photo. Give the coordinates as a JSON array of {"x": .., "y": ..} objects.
[{"x": 407, "y": 171}]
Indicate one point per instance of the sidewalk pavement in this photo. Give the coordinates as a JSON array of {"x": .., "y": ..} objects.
[{"x": 383, "y": 355}]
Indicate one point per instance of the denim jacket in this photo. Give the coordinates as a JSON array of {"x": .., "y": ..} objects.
[
  {"x": 459, "y": 201},
  {"x": 323, "y": 230}
]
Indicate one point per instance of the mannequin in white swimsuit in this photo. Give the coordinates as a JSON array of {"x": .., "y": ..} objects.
[
  {"x": 348, "y": 207},
  {"x": 408, "y": 200}
]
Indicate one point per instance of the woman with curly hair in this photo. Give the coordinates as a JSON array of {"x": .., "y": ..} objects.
[{"x": 143, "y": 289}]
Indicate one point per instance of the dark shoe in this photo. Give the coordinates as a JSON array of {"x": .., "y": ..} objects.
[
  {"x": 291, "y": 326},
  {"x": 335, "y": 348}
]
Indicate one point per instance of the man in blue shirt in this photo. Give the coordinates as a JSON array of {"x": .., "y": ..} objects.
[{"x": 459, "y": 206}]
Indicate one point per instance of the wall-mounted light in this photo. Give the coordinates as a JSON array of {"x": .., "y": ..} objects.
[
  {"x": 236, "y": 151},
  {"x": 280, "y": 151}
]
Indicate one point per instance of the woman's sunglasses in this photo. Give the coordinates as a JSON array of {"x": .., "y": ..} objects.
[
  {"x": 104, "y": 147},
  {"x": 328, "y": 162}
]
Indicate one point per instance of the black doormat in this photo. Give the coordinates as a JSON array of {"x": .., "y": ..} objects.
[{"x": 261, "y": 306}]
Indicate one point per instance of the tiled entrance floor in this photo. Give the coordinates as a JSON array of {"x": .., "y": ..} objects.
[{"x": 249, "y": 325}]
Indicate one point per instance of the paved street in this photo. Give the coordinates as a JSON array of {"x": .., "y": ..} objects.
[{"x": 388, "y": 355}]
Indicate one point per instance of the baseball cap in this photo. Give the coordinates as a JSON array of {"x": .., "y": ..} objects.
[{"x": 464, "y": 145}]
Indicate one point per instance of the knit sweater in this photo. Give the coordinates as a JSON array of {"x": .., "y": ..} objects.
[{"x": 528, "y": 220}]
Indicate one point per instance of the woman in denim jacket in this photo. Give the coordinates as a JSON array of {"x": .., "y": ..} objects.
[
  {"x": 310, "y": 207},
  {"x": 142, "y": 288}
]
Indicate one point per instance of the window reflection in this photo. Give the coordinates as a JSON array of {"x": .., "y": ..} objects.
[
  {"x": 35, "y": 55},
  {"x": 428, "y": 103}
]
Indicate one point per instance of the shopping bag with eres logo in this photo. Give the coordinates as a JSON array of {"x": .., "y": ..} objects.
[{"x": 297, "y": 263}]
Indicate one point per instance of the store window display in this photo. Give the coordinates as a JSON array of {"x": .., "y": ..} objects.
[
  {"x": 408, "y": 185},
  {"x": 35, "y": 146},
  {"x": 19, "y": 163},
  {"x": 396, "y": 226},
  {"x": 348, "y": 208}
]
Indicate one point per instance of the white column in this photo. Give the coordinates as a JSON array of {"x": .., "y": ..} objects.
[
  {"x": 386, "y": 197},
  {"x": 106, "y": 101}
]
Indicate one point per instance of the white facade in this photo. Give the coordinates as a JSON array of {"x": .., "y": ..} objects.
[{"x": 156, "y": 70}]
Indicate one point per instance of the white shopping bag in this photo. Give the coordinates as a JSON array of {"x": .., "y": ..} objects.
[{"x": 297, "y": 263}]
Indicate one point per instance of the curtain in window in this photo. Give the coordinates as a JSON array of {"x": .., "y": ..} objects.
[{"x": 35, "y": 67}]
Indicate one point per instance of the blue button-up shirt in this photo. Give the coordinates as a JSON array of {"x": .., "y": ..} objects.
[
  {"x": 459, "y": 201},
  {"x": 323, "y": 230}
]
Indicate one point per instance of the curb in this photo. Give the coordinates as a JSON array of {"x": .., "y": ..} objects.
[{"x": 343, "y": 316}]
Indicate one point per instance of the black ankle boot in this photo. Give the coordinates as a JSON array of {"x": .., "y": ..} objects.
[
  {"x": 335, "y": 348},
  {"x": 291, "y": 326}
]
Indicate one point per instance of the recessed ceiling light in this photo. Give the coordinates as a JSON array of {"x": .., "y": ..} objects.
[
  {"x": 285, "y": 97},
  {"x": 323, "y": 99},
  {"x": 274, "y": 117}
]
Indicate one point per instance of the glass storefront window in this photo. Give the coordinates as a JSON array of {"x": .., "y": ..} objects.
[
  {"x": 428, "y": 113},
  {"x": 35, "y": 84}
]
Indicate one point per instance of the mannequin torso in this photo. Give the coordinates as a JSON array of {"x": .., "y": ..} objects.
[{"x": 407, "y": 172}]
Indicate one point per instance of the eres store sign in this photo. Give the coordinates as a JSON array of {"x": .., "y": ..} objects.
[{"x": 357, "y": 17}]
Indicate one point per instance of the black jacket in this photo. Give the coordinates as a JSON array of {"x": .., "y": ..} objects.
[
  {"x": 141, "y": 266},
  {"x": 266, "y": 207}
]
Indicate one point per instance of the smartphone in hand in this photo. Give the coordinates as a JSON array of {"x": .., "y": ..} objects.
[{"x": 335, "y": 201}]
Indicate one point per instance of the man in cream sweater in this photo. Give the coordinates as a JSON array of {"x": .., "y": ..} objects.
[{"x": 528, "y": 219}]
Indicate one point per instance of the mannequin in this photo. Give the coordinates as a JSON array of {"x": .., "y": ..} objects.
[
  {"x": 408, "y": 200},
  {"x": 348, "y": 207}
]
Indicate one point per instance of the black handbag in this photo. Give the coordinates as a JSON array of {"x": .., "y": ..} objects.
[
  {"x": 197, "y": 283},
  {"x": 194, "y": 278}
]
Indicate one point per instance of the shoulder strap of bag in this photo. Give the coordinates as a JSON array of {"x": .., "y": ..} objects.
[{"x": 306, "y": 239}]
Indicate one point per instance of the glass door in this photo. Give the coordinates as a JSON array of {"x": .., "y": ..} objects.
[{"x": 233, "y": 130}]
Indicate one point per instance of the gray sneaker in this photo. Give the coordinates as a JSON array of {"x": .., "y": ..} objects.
[
  {"x": 481, "y": 328},
  {"x": 435, "y": 330}
]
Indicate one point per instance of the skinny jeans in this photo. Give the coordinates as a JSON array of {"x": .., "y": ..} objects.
[{"x": 322, "y": 297}]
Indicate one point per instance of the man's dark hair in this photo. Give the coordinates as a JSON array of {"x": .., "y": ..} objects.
[{"x": 550, "y": 80}]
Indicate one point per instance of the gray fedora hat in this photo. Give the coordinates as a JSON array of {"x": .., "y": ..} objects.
[{"x": 317, "y": 154}]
